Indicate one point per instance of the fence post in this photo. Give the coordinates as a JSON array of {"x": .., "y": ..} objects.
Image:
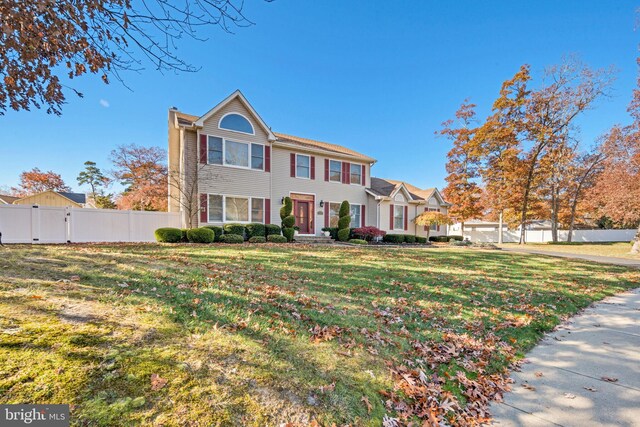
[
  {"x": 68, "y": 219},
  {"x": 130, "y": 222},
  {"x": 35, "y": 223}
]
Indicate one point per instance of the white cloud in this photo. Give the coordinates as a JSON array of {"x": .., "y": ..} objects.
[{"x": 104, "y": 103}]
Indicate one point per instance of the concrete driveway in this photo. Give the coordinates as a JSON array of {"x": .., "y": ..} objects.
[
  {"x": 625, "y": 262},
  {"x": 586, "y": 373}
]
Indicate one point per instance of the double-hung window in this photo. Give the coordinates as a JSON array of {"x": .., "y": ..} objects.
[
  {"x": 235, "y": 209},
  {"x": 222, "y": 151},
  {"x": 434, "y": 227},
  {"x": 355, "y": 216},
  {"x": 303, "y": 166},
  {"x": 398, "y": 217},
  {"x": 355, "y": 174},
  {"x": 215, "y": 208},
  {"x": 335, "y": 171},
  {"x": 257, "y": 210}
]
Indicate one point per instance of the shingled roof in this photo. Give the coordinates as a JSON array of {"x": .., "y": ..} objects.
[{"x": 386, "y": 187}]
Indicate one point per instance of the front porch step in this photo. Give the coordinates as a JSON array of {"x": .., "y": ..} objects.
[{"x": 313, "y": 239}]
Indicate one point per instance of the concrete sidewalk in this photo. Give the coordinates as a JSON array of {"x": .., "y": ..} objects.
[
  {"x": 586, "y": 373},
  {"x": 625, "y": 262}
]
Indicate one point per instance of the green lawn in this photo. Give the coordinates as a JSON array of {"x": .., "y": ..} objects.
[
  {"x": 264, "y": 334},
  {"x": 609, "y": 249}
]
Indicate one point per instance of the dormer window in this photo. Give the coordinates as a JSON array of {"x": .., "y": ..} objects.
[{"x": 237, "y": 123}]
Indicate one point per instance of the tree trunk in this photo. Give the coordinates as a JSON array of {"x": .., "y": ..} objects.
[
  {"x": 462, "y": 230},
  {"x": 554, "y": 214},
  {"x": 500, "y": 229},
  {"x": 525, "y": 201},
  {"x": 636, "y": 244}
]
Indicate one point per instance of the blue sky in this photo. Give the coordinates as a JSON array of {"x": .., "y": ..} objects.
[{"x": 378, "y": 77}]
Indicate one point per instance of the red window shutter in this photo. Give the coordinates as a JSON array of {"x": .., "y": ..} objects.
[
  {"x": 406, "y": 218},
  {"x": 391, "y": 216},
  {"x": 345, "y": 173},
  {"x": 267, "y": 158},
  {"x": 313, "y": 167},
  {"x": 293, "y": 165},
  {"x": 326, "y": 169},
  {"x": 362, "y": 216},
  {"x": 204, "y": 215},
  {"x": 425, "y": 227},
  {"x": 203, "y": 149},
  {"x": 267, "y": 211},
  {"x": 326, "y": 214},
  {"x": 364, "y": 175}
]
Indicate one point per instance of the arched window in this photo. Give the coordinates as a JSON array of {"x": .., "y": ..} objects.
[{"x": 236, "y": 122}]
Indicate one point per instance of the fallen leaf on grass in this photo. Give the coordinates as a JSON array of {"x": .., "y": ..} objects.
[
  {"x": 591, "y": 389},
  {"x": 538, "y": 374},
  {"x": 609, "y": 379},
  {"x": 326, "y": 388},
  {"x": 529, "y": 387},
  {"x": 157, "y": 382},
  {"x": 365, "y": 400},
  {"x": 75, "y": 278}
]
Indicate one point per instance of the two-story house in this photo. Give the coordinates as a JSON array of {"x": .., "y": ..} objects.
[{"x": 240, "y": 171}]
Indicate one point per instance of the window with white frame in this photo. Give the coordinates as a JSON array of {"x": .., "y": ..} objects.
[
  {"x": 334, "y": 214},
  {"x": 335, "y": 171},
  {"x": 214, "y": 150},
  {"x": 434, "y": 227},
  {"x": 356, "y": 174},
  {"x": 355, "y": 216},
  {"x": 303, "y": 168},
  {"x": 398, "y": 217},
  {"x": 215, "y": 208},
  {"x": 257, "y": 210},
  {"x": 236, "y": 123},
  {"x": 236, "y": 209},
  {"x": 233, "y": 153}
]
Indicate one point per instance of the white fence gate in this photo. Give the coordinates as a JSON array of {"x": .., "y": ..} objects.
[
  {"x": 47, "y": 224},
  {"x": 543, "y": 236}
]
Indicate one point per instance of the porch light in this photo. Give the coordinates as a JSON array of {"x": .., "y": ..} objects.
[{"x": 321, "y": 203}]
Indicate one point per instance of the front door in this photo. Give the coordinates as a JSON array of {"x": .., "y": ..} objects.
[{"x": 303, "y": 217}]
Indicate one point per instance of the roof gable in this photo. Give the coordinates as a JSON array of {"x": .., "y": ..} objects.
[{"x": 240, "y": 97}]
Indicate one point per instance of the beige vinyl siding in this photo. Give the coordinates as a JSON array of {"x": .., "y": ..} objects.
[
  {"x": 283, "y": 185},
  {"x": 226, "y": 180},
  {"x": 173, "y": 160}
]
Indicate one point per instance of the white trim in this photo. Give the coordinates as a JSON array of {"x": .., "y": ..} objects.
[
  {"x": 253, "y": 131},
  {"x": 337, "y": 161},
  {"x": 395, "y": 205},
  {"x": 315, "y": 219},
  {"x": 295, "y": 166},
  {"x": 361, "y": 169},
  {"x": 243, "y": 100},
  {"x": 224, "y": 209},
  {"x": 406, "y": 192}
]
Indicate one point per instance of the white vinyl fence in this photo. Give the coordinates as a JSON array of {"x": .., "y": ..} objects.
[
  {"x": 543, "y": 236},
  {"x": 46, "y": 224}
]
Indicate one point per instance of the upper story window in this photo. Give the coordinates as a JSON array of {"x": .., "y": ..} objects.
[
  {"x": 237, "y": 123},
  {"x": 356, "y": 174},
  {"x": 222, "y": 151},
  {"x": 303, "y": 166},
  {"x": 398, "y": 217},
  {"x": 335, "y": 171}
]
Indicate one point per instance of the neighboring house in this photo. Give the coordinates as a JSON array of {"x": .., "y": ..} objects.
[
  {"x": 57, "y": 199},
  {"x": 242, "y": 171},
  {"x": 7, "y": 200}
]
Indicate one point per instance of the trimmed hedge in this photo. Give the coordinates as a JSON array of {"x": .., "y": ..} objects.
[
  {"x": 184, "y": 234},
  {"x": 409, "y": 239},
  {"x": 231, "y": 238},
  {"x": 200, "y": 235},
  {"x": 288, "y": 233},
  {"x": 289, "y": 221},
  {"x": 168, "y": 235},
  {"x": 257, "y": 239},
  {"x": 344, "y": 234},
  {"x": 344, "y": 220},
  {"x": 421, "y": 240},
  {"x": 217, "y": 231},
  {"x": 441, "y": 239},
  {"x": 237, "y": 229},
  {"x": 272, "y": 230},
  {"x": 393, "y": 238},
  {"x": 276, "y": 238},
  {"x": 358, "y": 241},
  {"x": 458, "y": 238},
  {"x": 333, "y": 232},
  {"x": 255, "y": 229}
]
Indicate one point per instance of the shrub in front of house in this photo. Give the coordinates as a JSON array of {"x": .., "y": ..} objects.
[
  {"x": 272, "y": 230},
  {"x": 276, "y": 238},
  {"x": 184, "y": 234},
  {"x": 200, "y": 235},
  {"x": 217, "y": 231},
  {"x": 409, "y": 239},
  {"x": 168, "y": 235},
  {"x": 231, "y": 238},
  {"x": 288, "y": 220},
  {"x": 257, "y": 239},
  {"x": 458, "y": 238},
  {"x": 333, "y": 232},
  {"x": 440, "y": 239},
  {"x": 358, "y": 241},
  {"x": 288, "y": 233},
  {"x": 367, "y": 233},
  {"x": 344, "y": 221},
  {"x": 460, "y": 242},
  {"x": 421, "y": 240},
  {"x": 393, "y": 238},
  {"x": 237, "y": 229},
  {"x": 255, "y": 229}
]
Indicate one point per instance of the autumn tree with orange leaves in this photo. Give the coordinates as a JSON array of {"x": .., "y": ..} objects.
[
  {"x": 462, "y": 189},
  {"x": 144, "y": 174},
  {"x": 45, "y": 44},
  {"x": 35, "y": 181}
]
